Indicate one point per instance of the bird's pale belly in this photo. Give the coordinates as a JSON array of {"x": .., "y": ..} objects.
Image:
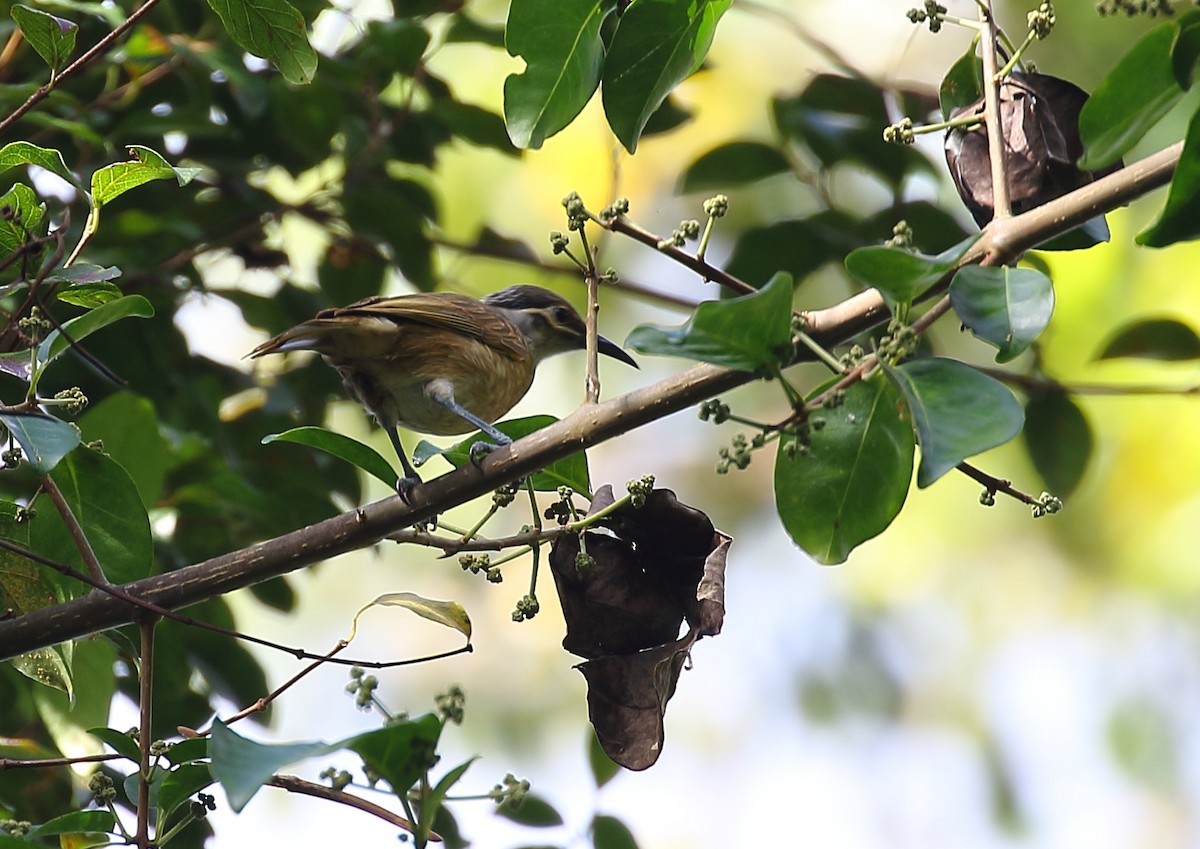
[{"x": 400, "y": 396}]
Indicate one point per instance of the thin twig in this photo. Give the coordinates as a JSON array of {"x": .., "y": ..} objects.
[
  {"x": 1001, "y": 206},
  {"x": 36, "y": 763},
  {"x": 292, "y": 784},
  {"x": 82, "y": 544},
  {"x": 146, "y": 626},
  {"x": 98, "y": 49},
  {"x": 995, "y": 484},
  {"x": 116, "y": 592},
  {"x": 622, "y": 224},
  {"x": 261, "y": 704}
]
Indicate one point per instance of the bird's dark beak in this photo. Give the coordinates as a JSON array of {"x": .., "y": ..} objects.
[{"x": 612, "y": 349}]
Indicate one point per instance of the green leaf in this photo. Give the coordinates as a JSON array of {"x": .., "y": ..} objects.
[
  {"x": 749, "y": 333},
  {"x": 106, "y": 503},
  {"x": 448, "y": 613},
  {"x": 242, "y": 766},
  {"x": 570, "y": 471},
  {"x": 19, "y": 153},
  {"x": 1153, "y": 339},
  {"x": 841, "y": 120},
  {"x": 75, "y": 822},
  {"x": 963, "y": 83},
  {"x": 610, "y": 833},
  {"x": 798, "y": 247},
  {"x": 1180, "y": 219},
  {"x": 1059, "y": 440},
  {"x": 1185, "y": 53},
  {"x": 533, "y": 812},
  {"x": 854, "y": 478},
  {"x": 53, "y": 38},
  {"x": 120, "y": 742},
  {"x": 658, "y": 44},
  {"x": 188, "y": 751},
  {"x": 43, "y": 439},
  {"x": 273, "y": 30},
  {"x": 77, "y": 329},
  {"x": 180, "y": 784},
  {"x": 1139, "y": 91},
  {"x": 733, "y": 164},
  {"x": 46, "y": 666},
  {"x": 26, "y": 216},
  {"x": 90, "y": 295},
  {"x": 431, "y": 802},
  {"x": 400, "y": 752},
  {"x": 1006, "y": 307},
  {"x": 342, "y": 447},
  {"x": 560, "y": 43},
  {"x": 958, "y": 412},
  {"x": 114, "y": 180},
  {"x": 127, "y": 426},
  {"x": 900, "y": 275}
]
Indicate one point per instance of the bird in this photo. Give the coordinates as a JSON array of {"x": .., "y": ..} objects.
[{"x": 441, "y": 363}]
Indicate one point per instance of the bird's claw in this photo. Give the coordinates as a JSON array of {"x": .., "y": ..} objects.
[
  {"x": 404, "y": 488},
  {"x": 479, "y": 450}
]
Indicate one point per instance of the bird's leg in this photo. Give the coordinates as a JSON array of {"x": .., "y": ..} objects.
[
  {"x": 442, "y": 392},
  {"x": 405, "y": 484}
]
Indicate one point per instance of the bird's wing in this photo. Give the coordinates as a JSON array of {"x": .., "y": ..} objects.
[{"x": 445, "y": 310}]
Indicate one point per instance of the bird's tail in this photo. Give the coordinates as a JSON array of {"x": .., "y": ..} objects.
[{"x": 318, "y": 334}]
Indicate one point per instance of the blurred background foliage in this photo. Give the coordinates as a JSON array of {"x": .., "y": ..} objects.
[{"x": 970, "y": 678}]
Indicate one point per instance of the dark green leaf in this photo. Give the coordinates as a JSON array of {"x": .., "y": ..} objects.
[
  {"x": 273, "y": 30},
  {"x": 112, "y": 181},
  {"x": 1130, "y": 100},
  {"x": 395, "y": 212},
  {"x": 188, "y": 751},
  {"x": 119, "y": 741},
  {"x": 604, "y": 768},
  {"x": 242, "y": 766},
  {"x": 76, "y": 822},
  {"x": 343, "y": 447},
  {"x": 53, "y": 38},
  {"x": 963, "y": 84},
  {"x": 44, "y": 440},
  {"x": 25, "y": 153},
  {"x": 797, "y": 247},
  {"x": 400, "y": 753},
  {"x": 1185, "y": 53},
  {"x": 1180, "y": 219},
  {"x": 127, "y": 427},
  {"x": 570, "y": 471},
  {"x": 109, "y": 509},
  {"x": 958, "y": 412},
  {"x": 749, "y": 333},
  {"x": 658, "y": 44},
  {"x": 534, "y": 812},
  {"x": 474, "y": 125},
  {"x": 902, "y": 276},
  {"x": 77, "y": 329},
  {"x": 90, "y": 295},
  {"x": 1007, "y": 307},
  {"x": 733, "y": 164},
  {"x": 1153, "y": 339},
  {"x": 1058, "y": 439},
  {"x": 431, "y": 802},
  {"x": 610, "y": 833},
  {"x": 464, "y": 28},
  {"x": 666, "y": 117},
  {"x": 180, "y": 784},
  {"x": 854, "y": 478},
  {"x": 841, "y": 120},
  {"x": 25, "y": 216},
  {"x": 560, "y": 43}
]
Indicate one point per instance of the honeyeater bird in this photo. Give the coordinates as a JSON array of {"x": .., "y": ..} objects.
[{"x": 439, "y": 362}]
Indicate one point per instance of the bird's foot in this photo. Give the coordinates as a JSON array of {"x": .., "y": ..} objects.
[
  {"x": 404, "y": 488},
  {"x": 479, "y": 450}
]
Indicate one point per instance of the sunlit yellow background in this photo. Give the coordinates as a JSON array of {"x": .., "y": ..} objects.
[{"x": 971, "y": 678}]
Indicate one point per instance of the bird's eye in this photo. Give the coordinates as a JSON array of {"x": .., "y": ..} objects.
[{"x": 562, "y": 315}]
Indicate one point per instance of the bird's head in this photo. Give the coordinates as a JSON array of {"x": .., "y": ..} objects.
[{"x": 549, "y": 323}]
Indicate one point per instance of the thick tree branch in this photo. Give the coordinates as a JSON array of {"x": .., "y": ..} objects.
[{"x": 1003, "y": 240}]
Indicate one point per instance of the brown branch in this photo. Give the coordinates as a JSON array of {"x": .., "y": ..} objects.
[
  {"x": 98, "y": 49},
  {"x": 36, "y": 763},
  {"x": 292, "y": 784},
  {"x": 994, "y": 484},
  {"x": 146, "y": 628},
  {"x": 1003, "y": 240},
  {"x": 622, "y": 224},
  {"x": 261, "y": 704}
]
